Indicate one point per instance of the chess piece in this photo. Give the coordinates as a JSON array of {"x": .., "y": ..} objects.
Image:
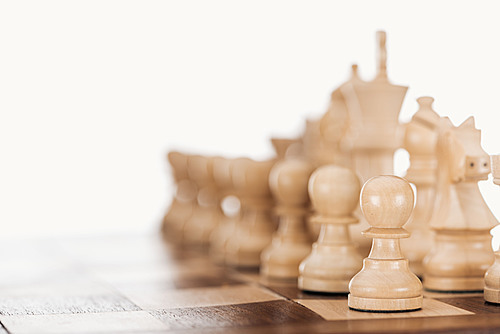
[
  {"x": 206, "y": 215},
  {"x": 291, "y": 243},
  {"x": 184, "y": 200},
  {"x": 492, "y": 276},
  {"x": 386, "y": 283},
  {"x": 420, "y": 141},
  {"x": 321, "y": 140},
  {"x": 281, "y": 146},
  {"x": 461, "y": 219},
  {"x": 334, "y": 192},
  {"x": 229, "y": 204},
  {"x": 374, "y": 133},
  {"x": 254, "y": 230}
]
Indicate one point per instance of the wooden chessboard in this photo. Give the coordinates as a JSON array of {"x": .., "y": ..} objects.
[{"x": 141, "y": 285}]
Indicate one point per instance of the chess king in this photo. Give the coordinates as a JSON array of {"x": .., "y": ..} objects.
[
  {"x": 461, "y": 219},
  {"x": 374, "y": 133}
]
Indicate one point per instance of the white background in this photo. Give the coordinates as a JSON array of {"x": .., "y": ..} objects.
[{"x": 94, "y": 93}]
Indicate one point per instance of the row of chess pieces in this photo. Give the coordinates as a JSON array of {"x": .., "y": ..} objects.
[
  {"x": 265, "y": 214},
  {"x": 204, "y": 214}
]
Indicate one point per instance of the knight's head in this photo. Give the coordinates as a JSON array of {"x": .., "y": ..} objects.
[{"x": 461, "y": 146}]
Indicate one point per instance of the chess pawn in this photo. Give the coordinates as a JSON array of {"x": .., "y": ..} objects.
[
  {"x": 291, "y": 243},
  {"x": 184, "y": 200},
  {"x": 206, "y": 215},
  {"x": 334, "y": 260},
  {"x": 386, "y": 283},
  {"x": 230, "y": 206},
  {"x": 254, "y": 229},
  {"x": 492, "y": 276}
]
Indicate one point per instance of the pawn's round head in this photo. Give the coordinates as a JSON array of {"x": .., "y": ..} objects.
[
  {"x": 387, "y": 201},
  {"x": 288, "y": 181},
  {"x": 334, "y": 190}
]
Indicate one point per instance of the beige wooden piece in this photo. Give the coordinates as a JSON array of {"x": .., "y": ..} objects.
[
  {"x": 386, "y": 283},
  {"x": 254, "y": 230},
  {"x": 184, "y": 200},
  {"x": 334, "y": 192},
  {"x": 206, "y": 215},
  {"x": 374, "y": 133},
  {"x": 492, "y": 276},
  {"x": 291, "y": 242},
  {"x": 420, "y": 140},
  {"x": 281, "y": 146},
  {"x": 461, "y": 220},
  {"x": 229, "y": 204}
]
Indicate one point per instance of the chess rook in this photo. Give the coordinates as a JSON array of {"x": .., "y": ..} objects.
[
  {"x": 386, "y": 283},
  {"x": 334, "y": 259}
]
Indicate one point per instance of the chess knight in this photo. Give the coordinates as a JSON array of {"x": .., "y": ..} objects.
[{"x": 461, "y": 219}]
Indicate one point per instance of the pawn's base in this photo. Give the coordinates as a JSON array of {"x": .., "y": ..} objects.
[
  {"x": 384, "y": 304},
  {"x": 323, "y": 285},
  {"x": 453, "y": 284},
  {"x": 492, "y": 295}
]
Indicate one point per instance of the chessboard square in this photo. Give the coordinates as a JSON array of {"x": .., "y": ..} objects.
[
  {"x": 255, "y": 314},
  {"x": 115, "y": 322},
  {"x": 339, "y": 310},
  {"x": 199, "y": 297},
  {"x": 62, "y": 299},
  {"x": 158, "y": 277}
]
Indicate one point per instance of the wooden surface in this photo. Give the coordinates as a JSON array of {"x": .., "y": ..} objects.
[{"x": 126, "y": 284}]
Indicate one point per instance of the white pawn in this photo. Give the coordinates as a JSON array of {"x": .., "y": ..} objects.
[
  {"x": 334, "y": 260},
  {"x": 492, "y": 277},
  {"x": 386, "y": 283},
  {"x": 291, "y": 243}
]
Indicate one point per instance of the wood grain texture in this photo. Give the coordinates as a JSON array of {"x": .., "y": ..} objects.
[
  {"x": 338, "y": 310},
  {"x": 107, "y": 322},
  {"x": 153, "y": 291},
  {"x": 239, "y": 315},
  {"x": 209, "y": 296}
]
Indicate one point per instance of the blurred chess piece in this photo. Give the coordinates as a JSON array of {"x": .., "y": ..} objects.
[
  {"x": 291, "y": 242},
  {"x": 322, "y": 138},
  {"x": 461, "y": 219},
  {"x": 207, "y": 214},
  {"x": 492, "y": 277},
  {"x": 386, "y": 283},
  {"x": 420, "y": 141},
  {"x": 334, "y": 192},
  {"x": 254, "y": 230},
  {"x": 281, "y": 146},
  {"x": 184, "y": 201},
  {"x": 374, "y": 133},
  {"x": 230, "y": 206}
]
